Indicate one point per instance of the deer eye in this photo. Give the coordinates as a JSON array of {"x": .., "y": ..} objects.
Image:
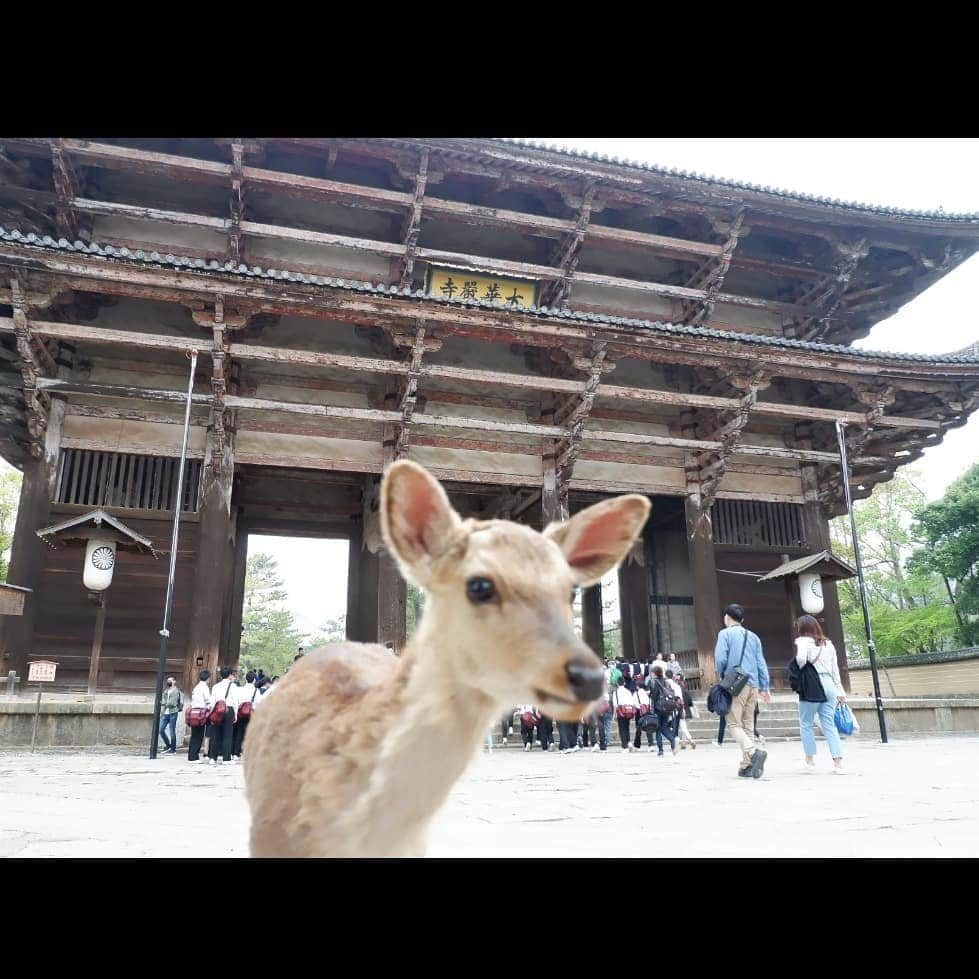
[{"x": 480, "y": 590}]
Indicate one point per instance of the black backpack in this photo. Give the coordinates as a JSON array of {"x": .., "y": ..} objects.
[
  {"x": 804, "y": 680},
  {"x": 665, "y": 702}
]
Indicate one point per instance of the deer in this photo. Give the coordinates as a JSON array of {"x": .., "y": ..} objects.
[{"x": 497, "y": 630}]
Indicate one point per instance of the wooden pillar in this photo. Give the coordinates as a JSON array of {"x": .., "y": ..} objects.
[
  {"x": 93, "y": 666},
  {"x": 355, "y": 556},
  {"x": 592, "y": 628},
  {"x": 215, "y": 562},
  {"x": 234, "y": 599},
  {"x": 703, "y": 576},
  {"x": 392, "y": 603},
  {"x": 28, "y": 551},
  {"x": 635, "y": 609}
]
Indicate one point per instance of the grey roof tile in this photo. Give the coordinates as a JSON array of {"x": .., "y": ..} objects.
[
  {"x": 939, "y": 215},
  {"x": 968, "y": 356}
]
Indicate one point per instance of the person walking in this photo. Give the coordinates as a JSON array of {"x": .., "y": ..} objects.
[
  {"x": 171, "y": 704},
  {"x": 739, "y": 648},
  {"x": 506, "y": 726},
  {"x": 528, "y": 721},
  {"x": 247, "y": 695},
  {"x": 626, "y": 707},
  {"x": 682, "y": 731},
  {"x": 545, "y": 732},
  {"x": 812, "y": 646},
  {"x": 664, "y": 700},
  {"x": 222, "y": 733},
  {"x": 200, "y": 698}
]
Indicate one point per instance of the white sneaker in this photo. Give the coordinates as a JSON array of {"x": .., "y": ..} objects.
[
  {"x": 717, "y": 744},
  {"x": 809, "y": 769},
  {"x": 627, "y": 749},
  {"x": 576, "y": 748},
  {"x": 594, "y": 747},
  {"x": 526, "y": 747},
  {"x": 651, "y": 748},
  {"x": 510, "y": 731},
  {"x": 840, "y": 771}
]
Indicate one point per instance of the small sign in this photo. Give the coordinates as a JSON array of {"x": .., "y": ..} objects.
[
  {"x": 41, "y": 671},
  {"x": 483, "y": 286}
]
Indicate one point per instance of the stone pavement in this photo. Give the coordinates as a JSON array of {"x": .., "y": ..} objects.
[{"x": 908, "y": 798}]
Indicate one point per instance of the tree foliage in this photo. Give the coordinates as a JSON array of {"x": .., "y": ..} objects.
[
  {"x": 909, "y": 607},
  {"x": 949, "y": 532},
  {"x": 269, "y": 638},
  {"x": 9, "y": 498}
]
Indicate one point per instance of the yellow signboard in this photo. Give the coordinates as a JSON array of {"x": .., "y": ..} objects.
[{"x": 484, "y": 286}]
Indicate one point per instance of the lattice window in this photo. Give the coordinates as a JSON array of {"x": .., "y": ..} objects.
[
  {"x": 757, "y": 523},
  {"x": 119, "y": 479}
]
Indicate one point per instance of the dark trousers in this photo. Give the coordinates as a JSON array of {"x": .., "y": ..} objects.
[
  {"x": 649, "y": 736},
  {"x": 568, "y": 733},
  {"x": 238, "y": 738},
  {"x": 665, "y": 729},
  {"x": 526, "y": 733},
  {"x": 624, "y": 723},
  {"x": 196, "y": 740},
  {"x": 593, "y": 732},
  {"x": 169, "y": 721},
  {"x": 505, "y": 724},
  {"x": 222, "y": 737},
  {"x": 722, "y": 727},
  {"x": 545, "y": 732}
]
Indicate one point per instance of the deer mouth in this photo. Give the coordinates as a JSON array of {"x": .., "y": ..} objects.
[{"x": 552, "y": 703}]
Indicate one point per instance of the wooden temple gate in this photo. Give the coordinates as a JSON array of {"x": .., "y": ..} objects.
[{"x": 538, "y": 328}]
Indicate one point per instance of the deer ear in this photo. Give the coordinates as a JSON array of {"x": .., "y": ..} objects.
[
  {"x": 597, "y": 539},
  {"x": 417, "y": 520}
]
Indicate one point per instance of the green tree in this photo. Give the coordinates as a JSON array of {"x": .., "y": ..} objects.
[
  {"x": 949, "y": 530},
  {"x": 268, "y": 635},
  {"x": 9, "y": 498},
  {"x": 415, "y": 608},
  {"x": 909, "y": 608}
]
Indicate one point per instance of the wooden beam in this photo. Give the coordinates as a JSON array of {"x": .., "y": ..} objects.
[
  {"x": 710, "y": 276},
  {"x": 237, "y": 202},
  {"x": 567, "y": 256},
  {"x": 410, "y": 396},
  {"x": 65, "y": 185},
  {"x": 413, "y": 223}
]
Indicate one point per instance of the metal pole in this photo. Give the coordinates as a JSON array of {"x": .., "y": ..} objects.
[
  {"x": 168, "y": 605},
  {"x": 871, "y": 648},
  {"x": 37, "y": 711}
]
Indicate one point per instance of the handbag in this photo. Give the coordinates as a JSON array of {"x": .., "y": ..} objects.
[
  {"x": 220, "y": 708},
  {"x": 195, "y": 716},
  {"x": 245, "y": 709},
  {"x": 734, "y": 680},
  {"x": 843, "y": 717},
  {"x": 648, "y": 722},
  {"x": 529, "y": 719}
]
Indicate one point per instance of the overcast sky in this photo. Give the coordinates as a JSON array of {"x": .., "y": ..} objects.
[{"x": 925, "y": 174}]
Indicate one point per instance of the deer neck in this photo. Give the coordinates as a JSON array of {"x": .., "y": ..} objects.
[{"x": 434, "y": 723}]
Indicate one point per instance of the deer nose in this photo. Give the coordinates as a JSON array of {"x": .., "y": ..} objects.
[{"x": 586, "y": 680}]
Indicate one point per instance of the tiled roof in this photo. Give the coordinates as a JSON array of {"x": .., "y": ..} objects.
[
  {"x": 284, "y": 275},
  {"x": 738, "y": 185}
]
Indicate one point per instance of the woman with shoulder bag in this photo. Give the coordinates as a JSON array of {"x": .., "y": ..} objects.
[
  {"x": 645, "y": 707},
  {"x": 812, "y": 648},
  {"x": 626, "y": 707}
]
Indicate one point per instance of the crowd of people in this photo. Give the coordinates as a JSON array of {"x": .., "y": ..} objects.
[
  {"x": 650, "y": 698},
  {"x": 227, "y": 707},
  {"x": 653, "y": 698}
]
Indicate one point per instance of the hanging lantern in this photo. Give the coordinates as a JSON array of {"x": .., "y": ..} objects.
[
  {"x": 100, "y": 562},
  {"x": 811, "y": 592}
]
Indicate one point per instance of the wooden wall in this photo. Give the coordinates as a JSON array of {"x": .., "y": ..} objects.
[
  {"x": 134, "y": 611},
  {"x": 956, "y": 678}
]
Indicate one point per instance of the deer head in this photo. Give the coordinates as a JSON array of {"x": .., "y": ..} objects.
[{"x": 499, "y": 611}]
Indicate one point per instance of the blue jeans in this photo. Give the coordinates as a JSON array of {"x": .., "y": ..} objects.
[
  {"x": 665, "y": 728},
  {"x": 826, "y": 712},
  {"x": 169, "y": 721},
  {"x": 606, "y": 721}
]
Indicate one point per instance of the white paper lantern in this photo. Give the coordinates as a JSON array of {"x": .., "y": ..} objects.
[
  {"x": 811, "y": 593},
  {"x": 100, "y": 561}
]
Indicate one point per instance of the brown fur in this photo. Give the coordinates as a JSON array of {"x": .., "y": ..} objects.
[{"x": 357, "y": 750}]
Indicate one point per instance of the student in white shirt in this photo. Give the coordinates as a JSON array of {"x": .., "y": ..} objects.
[
  {"x": 248, "y": 694},
  {"x": 527, "y": 730},
  {"x": 622, "y": 700},
  {"x": 201, "y": 697},
  {"x": 222, "y": 736}
]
